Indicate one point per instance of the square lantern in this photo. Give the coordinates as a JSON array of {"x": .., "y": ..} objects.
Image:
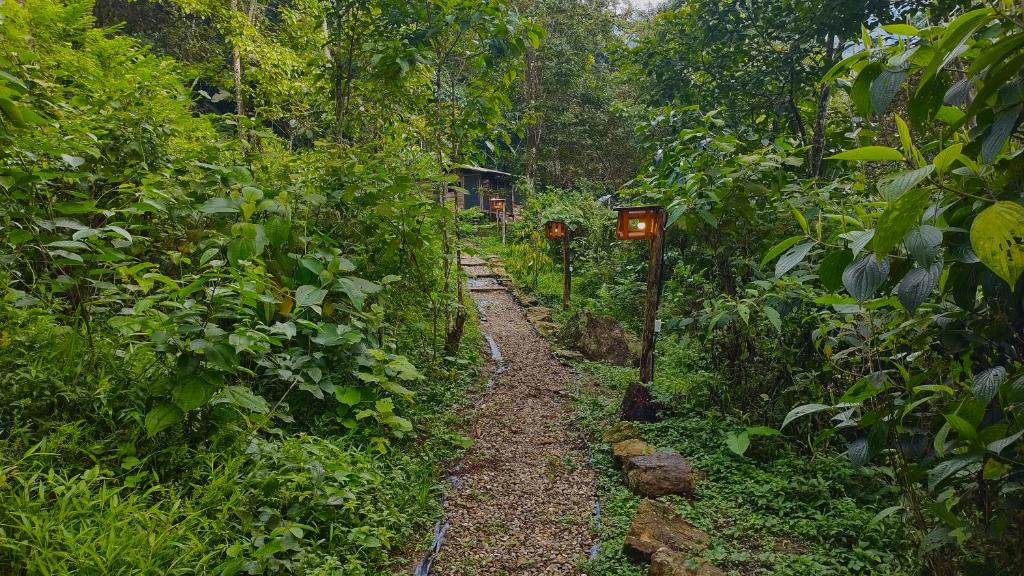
[
  {"x": 637, "y": 222},
  {"x": 498, "y": 204},
  {"x": 554, "y": 230}
]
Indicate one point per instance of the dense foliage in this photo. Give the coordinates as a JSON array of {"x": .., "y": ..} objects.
[
  {"x": 855, "y": 287},
  {"x": 215, "y": 352},
  {"x": 233, "y": 335}
]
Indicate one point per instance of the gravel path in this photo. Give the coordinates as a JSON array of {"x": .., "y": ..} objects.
[{"x": 520, "y": 503}]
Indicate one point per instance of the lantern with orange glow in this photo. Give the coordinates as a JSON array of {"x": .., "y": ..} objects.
[
  {"x": 498, "y": 204},
  {"x": 554, "y": 230},
  {"x": 638, "y": 222}
]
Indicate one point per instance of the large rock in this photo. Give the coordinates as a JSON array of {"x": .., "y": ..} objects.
[
  {"x": 656, "y": 526},
  {"x": 598, "y": 338},
  {"x": 620, "y": 431},
  {"x": 667, "y": 562},
  {"x": 660, "y": 474},
  {"x": 623, "y": 451}
]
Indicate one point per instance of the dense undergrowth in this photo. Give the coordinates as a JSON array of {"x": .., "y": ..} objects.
[
  {"x": 215, "y": 356},
  {"x": 851, "y": 285}
]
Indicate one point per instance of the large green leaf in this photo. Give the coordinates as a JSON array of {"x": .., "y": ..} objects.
[
  {"x": 900, "y": 217},
  {"x": 792, "y": 257},
  {"x": 986, "y": 384},
  {"x": 738, "y": 442},
  {"x": 870, "y": 154},
  {"x": 1001, "y": 128},
  {"x": 894, "y": 185},
  {"x": 779, "y": 248},
  {"x": 244, "y": 398},
  {"x": 161, "y": 417},
  {"x": 923, "y": 244},
  {"x": 307, "y": 295},
  {"x": 884, "y": 88},
  {"x": 801, "y": 411},
  {"x": 864, "y": 276},
  {"x": 192, "y": 393},
  {"x": 831, "y": 269},
  {"x": 997, "y": 237},
  {"x": 917, "y": 285}
]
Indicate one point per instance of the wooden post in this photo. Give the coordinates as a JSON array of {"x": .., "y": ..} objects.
[
  {"x": 502, "y": 226},
  {"x": 651, "y": 300},
  {"x": 638, "y": 404},
  {"x": 566, "y": 271}
]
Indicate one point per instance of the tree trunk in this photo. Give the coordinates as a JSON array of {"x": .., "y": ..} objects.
[
  {"x": 821, "y": 115},
  {"x": 236, "y": 64},
  {"x": 532, "y": 89}
]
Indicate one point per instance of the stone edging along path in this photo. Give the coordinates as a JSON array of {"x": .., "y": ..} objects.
[{"x": 520, "y": 502}]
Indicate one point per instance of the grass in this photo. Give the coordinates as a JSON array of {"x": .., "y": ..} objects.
[{"x": 773, "y": 512}]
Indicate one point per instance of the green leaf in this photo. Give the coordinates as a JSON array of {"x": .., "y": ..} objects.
[
  {"x": 1001, "y": 128},
  {"x": 864, "y": 276},
  {"x": 917, "y": 285},
  {"x": 893, "y": 186},
  {"x": 997, "y": 237},
  {"x": 986, "y": 384},
  {"x": 220, "y": 206},
  {"x": 738, "y": 442},
  {"x": 999, "y": 445},
  {"x": 192, "y": 393},
  {"x": 349, "y": 396},
  {"x": 307, "y": 295},
  {"x": 12, "y": 111},
  {"x": 858, "y": 451},
  {"x": 73, "y": 161},
  {"x": 800, "y": 220},
  {"x": 901, "y": 29},
  {"x": 884, "y": 88},
  {"x": 161, "y": 417},
  {"x": 244, "y": 398},
  {"x": 900, "y": 217},
  {"x": 830, "y": 271},
  {"x": 779, "y": 249},
  {"x": 943, "y": 470},
  {"x": 884, "y": 514},
  {"x": 801, "y": 411},
  {"x": 923, "y": 244},
  {"x": 773, "y": 318},
  {"x": 964, "y": 428},
  {"x": 790, "y": 259},
  {"x": 862, "y": 390},
  {"x": 870, "y": 154},
  {"x": 860, "y": 93},
  {"x": 944, "y": 159}
]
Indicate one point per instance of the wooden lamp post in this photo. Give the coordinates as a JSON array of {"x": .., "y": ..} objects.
[
  {"x": 555, "y": 230},
  {"x": 498, "y": 205},
  {"x": 644, "y": 223}
]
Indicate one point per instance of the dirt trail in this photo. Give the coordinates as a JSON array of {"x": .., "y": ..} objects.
[{"x": 521, "y": 502}]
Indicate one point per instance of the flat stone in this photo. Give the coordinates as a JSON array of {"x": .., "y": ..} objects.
[
  {"x": 660, "y": 474},
  {"x": 547, "y": 329},
  {"x": 622, "y": 451},
  {"x": 537, "y": 314},
  {"x": 620, "y": 431},
  {"x": 657, "y": 525},
  {"x": 570, "y": 355},
  {"x": 668, "y": 562}
]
